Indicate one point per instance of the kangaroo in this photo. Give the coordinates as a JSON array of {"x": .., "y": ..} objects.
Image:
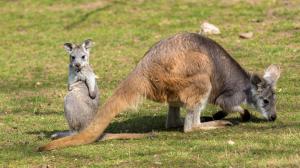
[
  {"x": 82, "y": 101},
  {"x": 186, "y": 70}
]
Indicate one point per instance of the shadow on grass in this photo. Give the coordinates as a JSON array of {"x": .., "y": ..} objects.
[
  {"x": 253, "y": 119},
  {"x": 84, "y": 17},
  {"x": 145, "y": 124},
  {"x": 140, "y": 124}
]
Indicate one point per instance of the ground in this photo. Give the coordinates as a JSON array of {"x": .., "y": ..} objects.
[{"x": 33, "y": 82}]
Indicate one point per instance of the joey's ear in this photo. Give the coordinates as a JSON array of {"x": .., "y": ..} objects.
[
  {"x": 255, "y": 80},
  {"x": 272, "y": 74},
  {"x": 69, "y": 47},
  {"x": 87, "y": 44}
]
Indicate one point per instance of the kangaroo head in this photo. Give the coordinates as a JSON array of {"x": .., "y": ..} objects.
[
  {"x": 263, "y": 92},
  {"x": 79, "y": 54}
]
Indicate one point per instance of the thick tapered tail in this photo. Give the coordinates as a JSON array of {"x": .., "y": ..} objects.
[
  {"x": 128, "y": 94},
  {"x": 109, "y": 136}
]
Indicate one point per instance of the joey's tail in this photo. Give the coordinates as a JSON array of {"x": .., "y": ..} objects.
[{"x": 129, "y": 93}]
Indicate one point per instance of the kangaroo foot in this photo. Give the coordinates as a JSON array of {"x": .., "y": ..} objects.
[{"x": 210, "y": 125}]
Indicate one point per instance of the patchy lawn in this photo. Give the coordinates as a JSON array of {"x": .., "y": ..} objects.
[{"x": 33, "y": 74}]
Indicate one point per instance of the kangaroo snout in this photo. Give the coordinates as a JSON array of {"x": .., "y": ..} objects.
[
  {"x": 77, "y": 65},
  {"x": 272, "y": 117}
]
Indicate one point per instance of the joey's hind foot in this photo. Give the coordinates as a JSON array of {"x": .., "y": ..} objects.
[{"x": 62, "y": 134}]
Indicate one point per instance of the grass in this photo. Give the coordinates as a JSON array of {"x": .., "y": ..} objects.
[{"x": 33, "y": 76}]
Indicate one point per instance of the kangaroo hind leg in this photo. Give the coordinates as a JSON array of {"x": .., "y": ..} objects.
[
  {"x": 195, "y": 99},
  {"x": 173, "y": 118}
]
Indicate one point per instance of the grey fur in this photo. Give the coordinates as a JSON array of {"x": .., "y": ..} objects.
[
  {"x": 232, "y": 85},
  {"x": 235, "y": 85},
  {"x": 79, "y": 107},
  {"x": 82, "y": 101},
  {"x": 79, "y": 68}
]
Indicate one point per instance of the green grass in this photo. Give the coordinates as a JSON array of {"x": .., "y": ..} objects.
[{"x": 32, "y": 34}]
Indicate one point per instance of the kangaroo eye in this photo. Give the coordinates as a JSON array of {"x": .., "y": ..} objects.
[
  {"x": 266, "y": 101},
  {"x": 83, "y": 56}
]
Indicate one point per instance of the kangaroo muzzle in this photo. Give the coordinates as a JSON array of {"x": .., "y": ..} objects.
[
  {"x": 78, "y": 66},
  {"x": 272, "y": 117}
]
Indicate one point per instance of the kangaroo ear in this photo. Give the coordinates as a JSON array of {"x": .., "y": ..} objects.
[
  {"x": 69, "y": 47},
  {"x": 255, "y": 80},
  {"x": 272, "y": 74},
  {"x": 87, "y": 44}
]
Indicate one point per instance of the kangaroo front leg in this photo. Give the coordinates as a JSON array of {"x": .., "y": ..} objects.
[
  {"x": 173, "y": 118},
  {"x": 192, "y": 121},
  {"x": 91, "y": 83},
  {"x": 195, "y": 98},
  {"x": 244, "y": 113}
]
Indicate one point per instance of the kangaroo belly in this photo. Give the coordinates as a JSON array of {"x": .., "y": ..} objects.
[{"x": 79, "y": 107}]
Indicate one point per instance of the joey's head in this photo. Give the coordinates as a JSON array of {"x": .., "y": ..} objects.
[
  {"x": 79, "y": 54},
  {"x": 263, "y": 92}
]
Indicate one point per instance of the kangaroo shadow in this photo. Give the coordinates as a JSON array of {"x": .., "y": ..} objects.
[
  {"x": 140, "y": 124},
  {"x": 253, "y": 119},
  {"x": 145, "y": 124}
]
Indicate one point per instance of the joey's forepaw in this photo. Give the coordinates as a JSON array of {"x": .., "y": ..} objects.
[{"x": 92, "y": 95}]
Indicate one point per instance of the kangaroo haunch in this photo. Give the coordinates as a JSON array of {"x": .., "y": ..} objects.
[{"x": 186, "y": 70}]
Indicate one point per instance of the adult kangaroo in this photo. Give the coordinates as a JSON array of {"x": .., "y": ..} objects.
[{"x": 186, "y": 70}]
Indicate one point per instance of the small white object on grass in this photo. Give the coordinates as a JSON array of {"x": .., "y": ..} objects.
[
  {"x": 208, "y": 28},
  {"x": 246, "y": 35},
  {"x": 230, "y": 142},
  {"x": 38, "y": 83}
]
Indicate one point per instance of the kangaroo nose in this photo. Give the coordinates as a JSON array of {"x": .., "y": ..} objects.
[
  {"x": 77, "y": 65},
  {"x": 272, "y": 118}
]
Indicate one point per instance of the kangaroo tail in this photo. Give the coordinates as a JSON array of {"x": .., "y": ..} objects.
[
  {"x": 109, "y": 136},
  {"x": 128, "y": 94}
]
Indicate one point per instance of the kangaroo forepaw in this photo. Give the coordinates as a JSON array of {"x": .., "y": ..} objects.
[
  {"x": 220, "y": 115},
  {"x": 246, "y": 116},
  {"x": 92, "y": 95},
  {"x": 206, "y": 119}
]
